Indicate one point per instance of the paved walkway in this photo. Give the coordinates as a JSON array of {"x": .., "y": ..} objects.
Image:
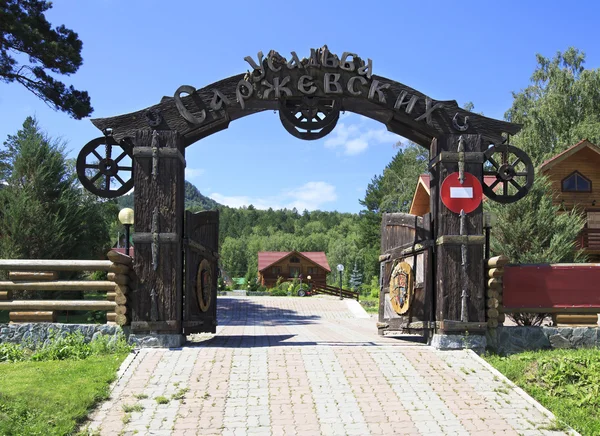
[{"x": 311, "y": 366}]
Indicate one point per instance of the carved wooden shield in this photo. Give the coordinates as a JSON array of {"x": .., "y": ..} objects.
[
  {"x": 204, "y": 285},
  {"x": 401, "y": 287}
]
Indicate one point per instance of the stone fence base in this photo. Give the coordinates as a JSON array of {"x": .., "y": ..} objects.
[
  {"x": 36, "y": 334},
  {"x": 509, "y": 340}
]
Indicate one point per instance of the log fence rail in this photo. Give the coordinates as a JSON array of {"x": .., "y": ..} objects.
[{"x": 42, "y": 275}]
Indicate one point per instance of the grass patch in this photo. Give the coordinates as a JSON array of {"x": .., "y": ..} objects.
[
  {"x": 369, "y": 303},
  {"x": 52, "y": 397},
  {"x": 180, "y": 394},
  {"x": 162, "y": 400},
  {"x": 567, "y": 382},
  {"x": 128, "y": 408}
]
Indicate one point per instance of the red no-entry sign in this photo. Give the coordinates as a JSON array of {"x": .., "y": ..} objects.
[{"x": 466, "y": 196}]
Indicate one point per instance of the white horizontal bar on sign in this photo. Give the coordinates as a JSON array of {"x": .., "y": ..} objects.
[{"x": 461, "y": 192}]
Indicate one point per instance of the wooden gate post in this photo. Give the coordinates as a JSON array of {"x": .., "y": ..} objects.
[
  {"x": 156, "y": 304},
  {"x": 451, "y": 277}
]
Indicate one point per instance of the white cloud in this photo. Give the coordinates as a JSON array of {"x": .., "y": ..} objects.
[
  {"x": 192, "y": 173},
  {"x": 355, "y": 138},
  {"x": 310, "y": 196}
]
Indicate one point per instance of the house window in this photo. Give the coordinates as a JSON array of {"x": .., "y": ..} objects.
[
  {"x": 576, "y": 183},
  {"x": 294, "y": 271},
  {"x": 276, "y": 270},
  {"x": 312, "y": 270},
  {"x": 294, "y": 260}
]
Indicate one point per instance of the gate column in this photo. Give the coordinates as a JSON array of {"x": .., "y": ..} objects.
[
  {"x": 156, "y": 304},
  {"x": 455, "y": 312}
]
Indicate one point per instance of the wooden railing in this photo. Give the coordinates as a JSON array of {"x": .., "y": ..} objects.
[
  {"x": 41, "y": 275},
  {"x": 589, "y": 239},
  {"x": 332, "y": 290}
]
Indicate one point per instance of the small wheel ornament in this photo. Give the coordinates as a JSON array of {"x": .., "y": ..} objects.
[
  {"x": 309, "y": 118},
  {"x": 204, "y": 285},
  {"x": 513, "y": 170},
  {"x": 99, "y": 167}
]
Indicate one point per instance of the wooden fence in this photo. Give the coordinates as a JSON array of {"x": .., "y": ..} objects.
[
  {"x": 569, "y": 292},
  {"x": 41, "y": 275}
]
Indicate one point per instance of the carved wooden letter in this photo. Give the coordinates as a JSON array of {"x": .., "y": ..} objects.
[
  {"x": 183, "y": 111},
  {"x": 332, "y": 84}
]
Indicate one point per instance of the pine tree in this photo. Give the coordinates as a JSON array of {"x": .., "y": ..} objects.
[
  {"x": 355, "y": 278},
  {"x": 44, "y": 213},
  {"x": 26, "y": 32},
  {"x": 534, "y": 229}
]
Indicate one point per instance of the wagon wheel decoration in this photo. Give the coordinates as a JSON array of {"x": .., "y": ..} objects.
[
  {"x": 309, "y": 118},
  {"x": 204, "y": 285},
  {"x": 97, "y": 170},
  {"x": 512, "y": 167},
  {"x": 401, "y": 288}
]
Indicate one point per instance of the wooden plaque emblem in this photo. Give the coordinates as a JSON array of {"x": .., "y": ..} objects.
[
  {"x": 401, "y": 287},
  {"x": 204, "y": 285}
]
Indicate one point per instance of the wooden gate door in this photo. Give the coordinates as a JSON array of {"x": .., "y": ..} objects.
[
  {"x": 201, "y": 241},
  {"x": 406, "y": 274}
]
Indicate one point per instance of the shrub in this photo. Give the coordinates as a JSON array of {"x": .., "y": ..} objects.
[
  {"x": 11, "y": 352},
  {"x": 70, "y": 346}
]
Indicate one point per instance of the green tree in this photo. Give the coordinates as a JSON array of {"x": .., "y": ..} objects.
[
  {"x": 391, "y": 191},
  {"x": 26, "y": 33},
  {"x": 559, "y": 108},
  {"x": 44, "y": 213},
  {"x": 534, "y": 230}
]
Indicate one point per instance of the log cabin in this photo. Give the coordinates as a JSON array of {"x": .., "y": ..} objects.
[
  {"x": 575, "y": 178},
  {"x": 292, "y": 264}
]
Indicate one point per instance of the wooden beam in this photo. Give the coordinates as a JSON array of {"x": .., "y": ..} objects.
[
  {"x": 495, "y": 273},
  {"x": 205, "y": 252},
  {"x": 497, "y": 261},
  {"x": 119, "y": 279},
  {"x": 5, "y": 295},
  {"x": 67, "y": 285},
  {"x": 551, "y": 309},
  {"x": 459, "y": 240},
  {"x": 55, "y": 265},
  {"x": 119, "y": 258},
  {"x": 32, "y": 276},
  {"x": 449, "y": 325},
  {"x": 168, "y": 153},
  {"x": 58, "y": 305},
  {"x": 32, "y": 316}
]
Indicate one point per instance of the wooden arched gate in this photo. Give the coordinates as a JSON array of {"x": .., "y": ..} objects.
[
  {"x": 406, "y": 274},
  {"x": 309, "y": 95},
  {"x": 201, "y": 242}
]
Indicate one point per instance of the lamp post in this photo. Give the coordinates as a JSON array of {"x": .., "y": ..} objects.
[
  {"x": 126, "y": 218},
  {"x": 340, "y": 268},
  {"x": 309, "y": 278},
  {"x": 489, "y": 221}
]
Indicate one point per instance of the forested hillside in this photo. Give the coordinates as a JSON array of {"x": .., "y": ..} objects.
[{"x": 350, "y": 239}]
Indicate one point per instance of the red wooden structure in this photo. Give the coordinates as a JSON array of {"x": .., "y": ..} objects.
[{"x": 552, "y": 288}]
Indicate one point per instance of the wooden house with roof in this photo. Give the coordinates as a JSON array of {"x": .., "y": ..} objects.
[
  {"x": 292, "y": 264},
  {"x": 575, "y": 178}
]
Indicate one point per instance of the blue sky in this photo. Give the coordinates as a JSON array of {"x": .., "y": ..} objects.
[{"x": 137, "y": 51}]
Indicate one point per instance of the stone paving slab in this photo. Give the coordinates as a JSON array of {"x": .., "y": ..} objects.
[{"x": 311, "y": 366}]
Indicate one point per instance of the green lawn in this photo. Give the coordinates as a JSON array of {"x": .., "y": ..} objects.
[
  {"x": 566, "y": 382},
  {"x": 369, "y": 303},
  {"x": 52, "y": 397}
]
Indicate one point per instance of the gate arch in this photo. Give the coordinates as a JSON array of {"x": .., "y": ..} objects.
[{"x": 309, "y": 95}]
